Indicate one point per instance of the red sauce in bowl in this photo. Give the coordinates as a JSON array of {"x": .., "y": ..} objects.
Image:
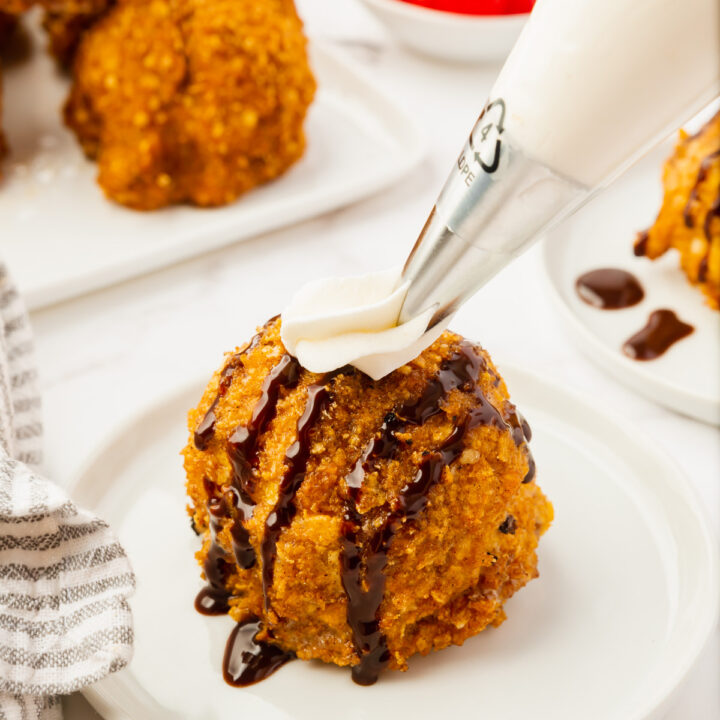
[{"x": 477, "y": 7}]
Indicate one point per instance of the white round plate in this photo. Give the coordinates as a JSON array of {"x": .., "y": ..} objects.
[
  {"x": 450, "y": 36},
  {"x": 686, "y": 378},
  {"x": 626, "y": 598}
]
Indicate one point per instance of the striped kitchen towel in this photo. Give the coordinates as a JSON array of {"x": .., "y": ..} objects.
[{"x": 64, "y": 578}]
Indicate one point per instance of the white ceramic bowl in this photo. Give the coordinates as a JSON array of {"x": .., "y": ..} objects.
[{"x": 449, "y": 36}]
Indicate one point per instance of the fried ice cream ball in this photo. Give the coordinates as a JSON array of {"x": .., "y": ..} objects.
[
  {"x": 360, "y": 522},
  {"x": 689, "y": 219},
  {"x": 190, "y": 100}
]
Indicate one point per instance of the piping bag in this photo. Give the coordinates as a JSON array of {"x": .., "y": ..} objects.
[{"x": 589, "y": 87}]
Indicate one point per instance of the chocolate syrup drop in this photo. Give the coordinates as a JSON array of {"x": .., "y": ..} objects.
[
  {"x": 247, "y": 660},
  {"x": 609, "y": 289},
  {"x": 364, "y": 599},
  {"x": 296, "y": 459},
  {"x": 212, "y": 602},
  {"x": 663, "y": 330}
]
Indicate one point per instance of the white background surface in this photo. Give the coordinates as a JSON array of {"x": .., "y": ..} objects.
[{"x": 103, "y": 355}]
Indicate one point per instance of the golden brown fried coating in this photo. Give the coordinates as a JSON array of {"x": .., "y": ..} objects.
[
  {"x": 190, "y": 100},
  {"x": 450, "y": 567},
  {"x": 689, "y": 219}
]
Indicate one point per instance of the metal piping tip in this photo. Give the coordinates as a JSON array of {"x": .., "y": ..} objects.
[
  {"x": 483, "y": 219},
  {"x": 443, "y": 270}
]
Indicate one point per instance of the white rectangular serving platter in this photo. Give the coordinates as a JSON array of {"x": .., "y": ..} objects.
[{"x": 61, "y": 237}]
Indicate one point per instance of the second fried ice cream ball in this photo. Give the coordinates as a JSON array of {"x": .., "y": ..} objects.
[{"x": 191, "y": 101}]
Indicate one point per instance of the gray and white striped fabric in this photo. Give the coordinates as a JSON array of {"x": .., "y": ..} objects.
[{"x": 64, "y": 579}]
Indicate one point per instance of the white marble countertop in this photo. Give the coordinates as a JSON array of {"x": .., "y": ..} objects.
[{"x": 104, "y": 355}]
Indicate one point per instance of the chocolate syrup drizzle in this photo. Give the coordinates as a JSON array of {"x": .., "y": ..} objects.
[
  {"x": 296, "y": 460},
  {"x": 205, "y": 431},
  {"x": 248, "y": 660},
  {"x": 213, "y": 598},
  {"x": 363, "y": 563},
  {"x": 242, "y": 448},
  {"x": 237, "y": 503}
]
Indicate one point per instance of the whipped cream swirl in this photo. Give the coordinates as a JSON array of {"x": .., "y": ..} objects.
[{"x": 354, "y": 321}]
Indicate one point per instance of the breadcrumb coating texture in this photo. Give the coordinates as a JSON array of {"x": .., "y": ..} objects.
[
  {"x": 191, "y": 101},
  {"x": 689, "y": 219},
  {"x": 449, "y": 570}
]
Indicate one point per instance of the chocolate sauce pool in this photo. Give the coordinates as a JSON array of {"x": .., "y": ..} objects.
[
  {"x": 609, "y": 289},
  {"x": 363, "y": 559},
  {"x": 248, "y": 660},
  {"x": 614, "y": 289},
  {"x": 662, "y": 331}
]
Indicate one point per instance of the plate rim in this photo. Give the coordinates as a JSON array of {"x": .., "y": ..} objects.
[{"x": 100, "y": 695}]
